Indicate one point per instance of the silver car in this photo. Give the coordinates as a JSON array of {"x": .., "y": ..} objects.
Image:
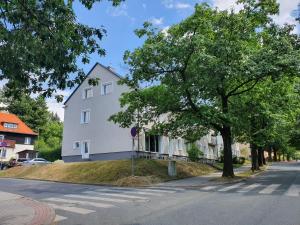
[{"x": 37, "y": 161}]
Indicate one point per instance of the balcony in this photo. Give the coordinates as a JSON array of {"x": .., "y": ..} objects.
[{"x": 7, "y": 143}]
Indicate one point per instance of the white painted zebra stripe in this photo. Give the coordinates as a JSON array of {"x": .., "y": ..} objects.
[
  {"x": 293, "y": 191},
  {"x": 95, "y": 204},
  {"x": 167, "y": 188},
  {"x": 208, "y": 188},
  {"x": 231, "y": 187},
  {"x": 97, "y": 198},
  {"x": 129, "y": 192},
  {"x": 249, "y": 188},
  {"x": 158, "y": 190},
  {"x": 71, "y": 209},
  {"x": 59, "y": 218},
  {"x": 116, "y": 195},
  {"x": 269, "y": 189}
]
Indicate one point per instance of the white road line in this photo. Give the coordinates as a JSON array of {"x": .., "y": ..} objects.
[
  {"x": 249, "y": 188},
  {"x": 140, "y": 189},
  {"x": 71, "y": 209},
  {"x": 116, "y": 195},
  {"x": 129, "y": 192},
  {"x": 59, "y": 218},
  {"x": 158, "y": 190},
  {"x": 167, "y": 188},
  {"x": 208, "y": 188},
  {"x": 95, "y": 204},
  {"x": 269, "y": 189},
  {"x": 231, "y": 187},
  {"x": 97, "y": 198},
  {"x": 293, "y": 191}
]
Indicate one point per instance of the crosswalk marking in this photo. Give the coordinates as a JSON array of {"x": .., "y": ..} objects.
[
  {"x": 59, "y": 218},
  {"x": 167, "y": 188},
  {"x": 71, "y": 209},
  {"x": 293, "y": 191},
  {"x": 208, "y": 188},
  {"x": 249, "y": 188},
  {"x": 117, "y": 195},
  {"x": 231, "y": 187},
  {"x": 71, "y": 201},
  {"x": 129, "y": 192},
  {"x": 158, "y": 190},
  {"x": 97, "y": 198},
  {"x": 269, "y": 189}
]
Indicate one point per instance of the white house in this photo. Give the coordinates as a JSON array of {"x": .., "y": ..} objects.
[{"x": 88, "y": 135}]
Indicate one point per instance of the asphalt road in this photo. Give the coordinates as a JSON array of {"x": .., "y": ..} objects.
[{"x": 272, "y": 198}]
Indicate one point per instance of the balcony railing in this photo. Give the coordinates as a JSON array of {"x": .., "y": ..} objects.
[{"x": 7, "y": 143}]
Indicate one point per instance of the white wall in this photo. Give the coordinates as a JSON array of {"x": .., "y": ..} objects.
[{"x": 104, "y": 136}]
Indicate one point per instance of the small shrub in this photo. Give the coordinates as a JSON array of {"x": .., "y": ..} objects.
[
  {"x": 235, "y": 160},
  {"x": 242, "y": 160},
  {"x": 194, "y": 153}
]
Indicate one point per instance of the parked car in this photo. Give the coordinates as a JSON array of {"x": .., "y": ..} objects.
[
  {"x": 37, "y": 161},
  {"x": 20, "y": 161}
]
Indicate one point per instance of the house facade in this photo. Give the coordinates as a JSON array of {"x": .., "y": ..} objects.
[
  {"x": 16, "y": 138},
  {"x": 88, "y": 135}
]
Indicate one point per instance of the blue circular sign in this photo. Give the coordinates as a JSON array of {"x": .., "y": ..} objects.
[{"x": 133, "y": 131}]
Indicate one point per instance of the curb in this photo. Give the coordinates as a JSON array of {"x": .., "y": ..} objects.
[{"x": 42, "y": 213}]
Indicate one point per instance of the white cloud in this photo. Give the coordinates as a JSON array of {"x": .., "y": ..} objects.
[
  {"x": 171, "y": 4},
  {"x": 118, "y": 11},
  {"x": 285, "y": 11},
  {"x": 181, "y": 5},
  {"x": 144, "y": 5},
  {"x": 157, "y": 21}
]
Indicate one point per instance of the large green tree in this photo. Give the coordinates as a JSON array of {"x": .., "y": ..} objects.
[
  {"x": 193, "y": 70},
  {"x": 41, "y": 42}
]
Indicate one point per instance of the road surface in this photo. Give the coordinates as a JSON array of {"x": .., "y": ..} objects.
[{"x": 272, "y": 198}]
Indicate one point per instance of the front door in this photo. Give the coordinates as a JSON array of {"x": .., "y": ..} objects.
[{"x": 85, "y": 150}]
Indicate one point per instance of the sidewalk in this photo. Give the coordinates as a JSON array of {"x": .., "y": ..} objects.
[
  {"x": 19, "y": 210},
  {"x": 200, "y": 181}
]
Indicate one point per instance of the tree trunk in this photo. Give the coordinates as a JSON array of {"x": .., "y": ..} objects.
[
  {"x": 228, "y": 166},
  {"x": 279, "y": 157},
  {"x": 283, "y": 157},
  {"x": 263, "y": 157},
  {"x": 259, "y": 158},
  {"x": 254, "y": 157},
  {"x": 275, "y": 154}
]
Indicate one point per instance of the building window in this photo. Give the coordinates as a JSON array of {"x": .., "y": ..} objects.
[
  {"x": 27, "y": 141},
  {"x": 76, "y": 145},
  {"x": 106, "y": 88},
  {"x": 11, "y": 125},
  {"x": 3, "y": 153},
  {"x": 85, "y": 116},
  {"x": 87, "y": 93},
  {"x": 152, "y": 143}
]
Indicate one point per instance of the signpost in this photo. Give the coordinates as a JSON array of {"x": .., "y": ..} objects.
[{"x": 133, "y": 133}]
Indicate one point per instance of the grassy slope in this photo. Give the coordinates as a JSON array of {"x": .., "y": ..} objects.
[{"x": 108, "y": 172}]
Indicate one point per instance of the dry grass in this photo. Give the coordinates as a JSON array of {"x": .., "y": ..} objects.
[{"x": 116, "y": 172}]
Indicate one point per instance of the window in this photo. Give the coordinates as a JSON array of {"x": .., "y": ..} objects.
[
  {"x": 10, "y": 125},
  {"x": 1, "y": 137},
  {"x": 3, "y": 153},
  {"x": 86, "y": 147},
  {"x": 76, "y": 145},
  {"x": 107, "y": 88},
  {"x": 152, "y": 143},
  {"x": 27, "y": 141},
  {"x": 87, "y": 93},
  {"x": 85, "y": 116}
]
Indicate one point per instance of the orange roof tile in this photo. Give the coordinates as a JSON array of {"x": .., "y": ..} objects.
[{"x": 22, "y": 128}]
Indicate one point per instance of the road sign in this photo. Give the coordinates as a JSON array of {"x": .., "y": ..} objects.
[{"x": 133, "y": 131}]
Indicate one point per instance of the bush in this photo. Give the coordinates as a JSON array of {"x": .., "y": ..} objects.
[
  {"x": 50, "y": 155},
  {"x": 242, "y": 160},
  {"x": 235, "y": 160},
  {"x": 194, "y": 153}
]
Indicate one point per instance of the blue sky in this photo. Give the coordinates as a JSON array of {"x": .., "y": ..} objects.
[{"x": 120, "y": 23}]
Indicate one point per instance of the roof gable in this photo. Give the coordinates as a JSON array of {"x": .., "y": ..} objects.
[
  {"x": 21, "y": 128},
  {"x": 88, "y": 74}
]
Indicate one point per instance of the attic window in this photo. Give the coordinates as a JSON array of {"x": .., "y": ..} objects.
[{"x": 10, "y": 125}]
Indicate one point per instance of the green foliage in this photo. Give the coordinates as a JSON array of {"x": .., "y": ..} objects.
[
  {"x": 195, "y": 69},
  {"x": 49, "y": 142},
  {"x": 41, "y": 42},
  {"x": 194, "y": 153}
]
